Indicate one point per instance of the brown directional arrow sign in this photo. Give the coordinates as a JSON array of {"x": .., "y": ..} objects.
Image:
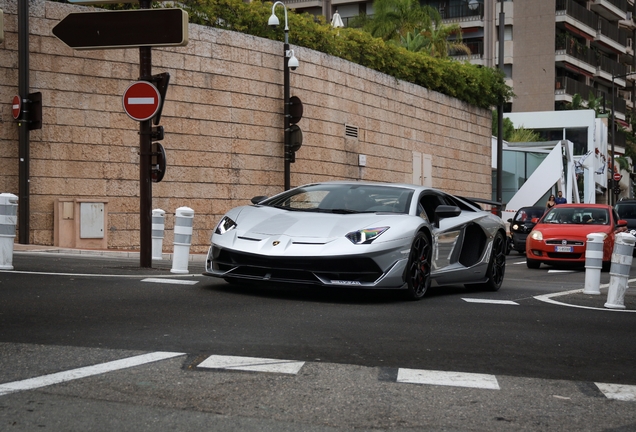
[{"x": 124, "y": 29}]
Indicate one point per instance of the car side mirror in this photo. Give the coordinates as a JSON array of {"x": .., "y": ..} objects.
[
  {"x": 621, "y": 223},
  {"x": 535, "y": 220},
  {"x": 509, "y": 220}
]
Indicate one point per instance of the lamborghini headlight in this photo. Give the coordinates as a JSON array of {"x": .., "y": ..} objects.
[
  {"x": 365, "y": 236},
  {"x": 536, "y": 235},
  {"x": 225, "y": 225}
]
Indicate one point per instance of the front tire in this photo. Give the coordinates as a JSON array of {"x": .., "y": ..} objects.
[
  {"x": 418, "y": 269},
  {"x": 497, "y": 264},
  {"x": 533, "y": 264}
]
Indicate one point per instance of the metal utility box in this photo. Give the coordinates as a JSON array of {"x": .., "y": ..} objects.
[{"x": 80, "y": 223}]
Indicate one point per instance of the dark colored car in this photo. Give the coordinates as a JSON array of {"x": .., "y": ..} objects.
[
  {"x": 520, "y": 226},
  {"x": 626, "y": 210}
]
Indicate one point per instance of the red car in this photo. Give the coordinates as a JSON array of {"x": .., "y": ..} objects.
[{"x": 560, "y": 235}]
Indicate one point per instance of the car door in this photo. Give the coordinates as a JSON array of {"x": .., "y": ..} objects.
[{"x": 446, "y": 232}]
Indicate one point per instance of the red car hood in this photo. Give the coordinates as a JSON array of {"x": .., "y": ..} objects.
[{"x": 571, "y": 231}]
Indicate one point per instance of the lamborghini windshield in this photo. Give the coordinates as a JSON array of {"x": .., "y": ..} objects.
[{"x": 344, "y": 198}]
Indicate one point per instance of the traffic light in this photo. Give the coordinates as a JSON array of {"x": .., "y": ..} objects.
[
  {"x": 295, "y": 133},
  {"x": 158, "y": 155},
  {"x": 158, "y": 162}
]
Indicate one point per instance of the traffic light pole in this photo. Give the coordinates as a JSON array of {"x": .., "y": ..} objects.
[
  {"x": 145, "y": 151},
  {"x": 24, "y": 151},
  {"x": 286, "y": 102}
]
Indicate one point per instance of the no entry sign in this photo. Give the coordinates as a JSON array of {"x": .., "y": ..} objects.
[
  {"x": 141, "y": 100},
  {"x": 617, "y": 176},
  {"x": 16, "y": 107}
]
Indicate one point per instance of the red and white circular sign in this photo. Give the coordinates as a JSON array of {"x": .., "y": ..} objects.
[
  {"x": 617, "y": 177},
  {"x": 141, "y": 100},
  {"x": 16, "y": 107}
]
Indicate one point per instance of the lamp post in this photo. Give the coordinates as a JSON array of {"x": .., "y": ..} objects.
[
  {"x": 611, "y": 195},
  {"x": 290, "y": 61}
]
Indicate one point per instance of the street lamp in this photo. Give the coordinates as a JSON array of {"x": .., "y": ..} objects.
[
  {"x": 611, "y": 195},
  {"x": 290, "y": 62}
]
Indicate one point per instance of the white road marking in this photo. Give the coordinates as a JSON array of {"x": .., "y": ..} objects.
[
  {"x": 60, "y": 377},
  {"x": 560, "y": 271},
  {"x": 490, "y": 301},
  {"x": 548, "y": 298},
  {"x": 253, "y": 364},
  {"x": 618, "y": 391},
  {"x": 456, "y": 379},
  {"x": 170, "y": 281}
]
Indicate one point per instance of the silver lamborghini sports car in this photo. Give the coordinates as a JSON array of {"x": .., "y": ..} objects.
[{"x": 364, "y": 235}]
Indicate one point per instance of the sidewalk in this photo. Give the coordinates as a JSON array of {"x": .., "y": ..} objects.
[{"x": 17, "y": 247}]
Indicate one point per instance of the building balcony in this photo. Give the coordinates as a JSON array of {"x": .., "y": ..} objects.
[
  {"x": 610, "y": 35},
  {"x": 462, "y": 13},
  {"x": 612, "y": 10},
  {"x": 577, "y": 18},
  {"x": 566, "y": 88}
]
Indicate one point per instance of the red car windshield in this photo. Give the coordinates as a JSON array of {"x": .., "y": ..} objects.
[{"x": 579, "y": 215}]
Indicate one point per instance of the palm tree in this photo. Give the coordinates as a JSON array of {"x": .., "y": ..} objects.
[
  {"x": 438, "y": 37},
  {"x": 393, "y": 19},
  {"x": 415, "y": 27}
]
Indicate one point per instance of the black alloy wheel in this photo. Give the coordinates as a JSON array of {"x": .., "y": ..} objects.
[
  {"x": 497, "y": 264},
  {"x": 418, "y": 271}
]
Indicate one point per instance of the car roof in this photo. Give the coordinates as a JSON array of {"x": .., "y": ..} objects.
[{"x": 583, "y": 205}]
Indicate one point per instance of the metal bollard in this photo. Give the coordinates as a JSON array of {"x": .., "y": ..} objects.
[
  {"x": 8, "y": 221},
  {"x": 593, "y": 263},
  {"x": 619, "y": 273},
  {"x": 158, "y": 217},
  {"x": 182, "y": 239}
]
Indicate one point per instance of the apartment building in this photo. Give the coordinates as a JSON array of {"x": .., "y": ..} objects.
[{"x": 554, "y": 49}]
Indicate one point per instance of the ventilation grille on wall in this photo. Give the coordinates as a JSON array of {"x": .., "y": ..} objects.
[{"x": 351, "y": 131}]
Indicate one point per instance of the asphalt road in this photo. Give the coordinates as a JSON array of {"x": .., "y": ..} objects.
[{"x": 356, "y": 349}]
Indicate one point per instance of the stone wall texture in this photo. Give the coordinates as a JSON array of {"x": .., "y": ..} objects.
[{"x": 223, "y": 120}]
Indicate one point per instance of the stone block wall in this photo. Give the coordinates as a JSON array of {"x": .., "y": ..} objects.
[{"x": 223, "y": 126}]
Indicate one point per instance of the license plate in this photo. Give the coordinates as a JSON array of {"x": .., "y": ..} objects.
[{"x": 564, "y": 249}]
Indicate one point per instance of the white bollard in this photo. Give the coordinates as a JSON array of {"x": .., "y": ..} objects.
[
  {"x": 619, "y": 273},
  {"x": 158, "y": 225},
  {"x": 593, "y": 263},
  {"x": 8, "y": 221},
  {"x": 182, "y": 239}
]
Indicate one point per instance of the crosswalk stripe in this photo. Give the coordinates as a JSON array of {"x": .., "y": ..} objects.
[
  {"x": 618, "y": 391},
  {"x": 455, "y": 379},
  {"x": 60, "y": 377},
  {"x": 252, "y": 364}
]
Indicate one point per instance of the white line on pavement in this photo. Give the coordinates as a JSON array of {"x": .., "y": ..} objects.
[
  {"x": 490, "y": 301},
  {"x": 253, "y": 364},
  {"x": 60, "y": 377},
  {"x": 456, "y": 379},
  {"x": 170, "y": 281},
  {"x": 548, "y": 298}
]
